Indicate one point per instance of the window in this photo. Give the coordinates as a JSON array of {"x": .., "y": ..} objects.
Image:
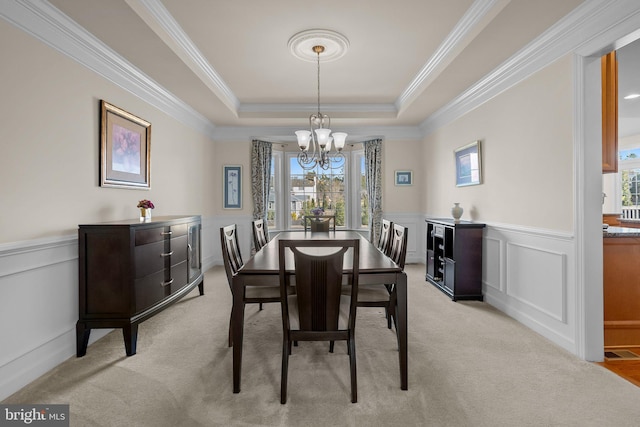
[
  {"x": 621, "y": 191},
  {"x": 361, "y": 211},
  {"x": 294, "y": 192},
  {"x": 316, "y": 188}
]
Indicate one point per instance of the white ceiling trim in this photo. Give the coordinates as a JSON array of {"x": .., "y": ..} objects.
[
  {"x": 294, "y": 110},
  {"x": 158, "y": 18},
  {"x": 586, "y": 22},
  {"x": 287, "y": 134},
  {"x": 46, "y": 23},
  {"x": 477, "y": 17}
]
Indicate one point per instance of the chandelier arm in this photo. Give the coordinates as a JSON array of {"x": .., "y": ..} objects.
[{"x": 307, "y": 163}]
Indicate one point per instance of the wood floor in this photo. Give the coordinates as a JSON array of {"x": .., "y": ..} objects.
[{"x": 627, "y": 369}]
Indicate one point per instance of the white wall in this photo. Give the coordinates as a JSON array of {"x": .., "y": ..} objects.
[
  {"x": 526, "y": 198},
  {"x": 49, "y": 169}
]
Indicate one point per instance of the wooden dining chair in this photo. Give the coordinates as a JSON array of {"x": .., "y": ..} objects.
[
  {"x": 260, "y": 233},
  {"x": 232, "y": 263},
  {"x": 383, "y": 295},
  {"x": 319, "y": 222},
  {"x": 318, "y": 311}
]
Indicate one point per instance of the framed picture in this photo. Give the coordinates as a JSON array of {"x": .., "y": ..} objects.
[
  {"x": 468, "y": 165},
  {"x": 404, "y": 178},
  {"x": 232, "y": 179},
  {"x": 125, "y": 149}
]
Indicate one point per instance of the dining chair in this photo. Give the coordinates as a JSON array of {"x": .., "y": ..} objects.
[
  {"x": 319, "y": 222},
  {"x": 260, "y": 233},
  {"x": 383, "y": 295},
  {"x": 318, "y": 311},
  {"x": 232, "y": 263}
]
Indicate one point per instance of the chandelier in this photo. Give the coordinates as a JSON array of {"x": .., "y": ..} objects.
[{"x": 315, "y": 143}]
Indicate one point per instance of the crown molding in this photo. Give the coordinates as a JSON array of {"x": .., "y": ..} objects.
[
  {"x": 167, "y": 28},
  {"x": 294, "y": 110},
  {"x": 586, "y": 22},
  {"x": 574, "y": 33},
  {"x": 52, "y": 27},
  {"x": 474, "y": 20},
  {"x": 287, "y": 134}
]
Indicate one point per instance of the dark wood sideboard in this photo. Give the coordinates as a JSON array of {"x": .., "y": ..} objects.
[
  {"x": 454, "y": 258},
  {"x": 131, "y": 270}
]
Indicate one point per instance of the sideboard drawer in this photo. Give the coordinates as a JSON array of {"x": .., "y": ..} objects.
[
  {"x": 179, "y": 250},
  {"x": 180, "y": 276},
  {"x": 179, "y": 230},
  {"x": 150, "y": 258},
  {"x": 151, "y": 235},
  {"x": 150, "y": 290}
]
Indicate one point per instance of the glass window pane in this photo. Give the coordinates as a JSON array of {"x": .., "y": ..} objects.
[
  {"x": 317, "y": 188},
  {"x": 364, "y": 196},
  {"x": 271, "y": 205}
]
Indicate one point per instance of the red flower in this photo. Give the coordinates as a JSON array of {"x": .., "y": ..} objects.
[{"x": 145, "y": 204}]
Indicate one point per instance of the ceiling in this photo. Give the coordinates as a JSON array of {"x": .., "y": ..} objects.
[
  {"x": 628, "y": 83},
  {"x": 230, "y": 61}
]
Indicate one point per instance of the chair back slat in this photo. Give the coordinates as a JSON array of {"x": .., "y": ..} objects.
[
  {"x": 230, "y": 251},
  {"x": 398, "y": 252},
  {"x": 259, "y": 227},
  {"x": 384, "y": 243}
]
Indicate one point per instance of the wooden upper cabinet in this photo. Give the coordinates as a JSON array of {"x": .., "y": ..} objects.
[{"x": 609, "y": 113}]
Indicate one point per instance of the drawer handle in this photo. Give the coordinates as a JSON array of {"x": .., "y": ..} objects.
[
  {"x": 166, "y": 283},
  {"x": 169, "y": 254},
  {"x": 166, "y": 233}
]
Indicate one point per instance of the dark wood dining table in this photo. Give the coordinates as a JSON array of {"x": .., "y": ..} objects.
[{"x": 263, "y": 269}]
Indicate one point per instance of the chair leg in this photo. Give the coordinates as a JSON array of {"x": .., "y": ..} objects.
[
  {"x": 231, "y": 331},
  {"x": 331, "y": 346},
  {"x": 260, "y": 306},
  {"x": 286, "y": 348},
  {"x": 352, "y": 363},
  {"x": 388, "y": 316}
]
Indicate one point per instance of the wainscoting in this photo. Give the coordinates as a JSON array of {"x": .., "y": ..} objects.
[
  {"x": 529, "y": 274},
  {"x": 39, "y": 305}
]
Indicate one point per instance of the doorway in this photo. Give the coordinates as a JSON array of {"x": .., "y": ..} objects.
[{"x": 588, "y": 200}]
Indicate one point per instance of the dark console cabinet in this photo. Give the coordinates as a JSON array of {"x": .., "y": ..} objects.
[
  {"x": 131, "y": 270},
  {"x": 454, "y": 258}
]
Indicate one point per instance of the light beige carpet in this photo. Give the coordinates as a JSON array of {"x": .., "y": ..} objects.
[{"x": 469, "y": 365}]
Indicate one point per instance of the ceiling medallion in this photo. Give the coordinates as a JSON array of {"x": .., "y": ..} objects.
[{"x": 335, "y": 45}]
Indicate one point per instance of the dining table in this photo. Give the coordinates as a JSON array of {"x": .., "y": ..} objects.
[{"x": 263, "y": 269}]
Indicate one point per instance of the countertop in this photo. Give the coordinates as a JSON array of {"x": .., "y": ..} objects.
[{"x": 621, "y": 232}]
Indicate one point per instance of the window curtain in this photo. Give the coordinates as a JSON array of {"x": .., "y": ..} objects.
[
  {"x": 260, "y": 177},
  {"x": 373, "y": 178}
]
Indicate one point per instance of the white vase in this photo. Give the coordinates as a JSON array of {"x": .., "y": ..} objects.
[
  {"x": 145, "y": 214},
  {"x": 456, "y": 212}
]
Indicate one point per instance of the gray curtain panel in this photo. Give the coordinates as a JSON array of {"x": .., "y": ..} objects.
[
  {"x": 373, "y": 176},
  {"x": 260, "y": 176}
]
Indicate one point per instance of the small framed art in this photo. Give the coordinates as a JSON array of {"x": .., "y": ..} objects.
[
  {"x": 404, "y": 178},
  {"x": 125, "y": 149},
  {"x": 468, "y": 165},
  {"x": 232, "y": 192}
]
